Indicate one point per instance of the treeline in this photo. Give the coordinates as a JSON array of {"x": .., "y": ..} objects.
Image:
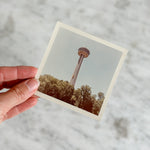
[{"x": 63, "y": 90}]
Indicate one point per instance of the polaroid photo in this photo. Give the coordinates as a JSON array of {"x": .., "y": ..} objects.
[{"x": 78, "y": 70}]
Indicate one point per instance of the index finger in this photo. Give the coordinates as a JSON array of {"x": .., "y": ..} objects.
[{"x": 17, "y": 72}]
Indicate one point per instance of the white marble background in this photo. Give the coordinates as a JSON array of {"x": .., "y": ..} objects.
[{"x": 25, "y": 29}]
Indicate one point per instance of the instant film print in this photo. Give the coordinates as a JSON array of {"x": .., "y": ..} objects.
[{"x": 78, "y": 70}]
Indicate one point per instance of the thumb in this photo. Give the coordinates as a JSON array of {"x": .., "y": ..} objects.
[{"x": 18, "y": 94}]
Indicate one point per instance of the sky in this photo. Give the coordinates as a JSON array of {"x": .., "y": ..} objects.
[{"x": 96, "y": 70}]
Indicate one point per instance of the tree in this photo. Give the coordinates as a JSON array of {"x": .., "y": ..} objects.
[
  {"x": 57, "y": 88},
  {"x": 98, "y": 103},
  {"x": 76, "y": 97},
  {"x": 100, "y": 96},
  {"x": 86, "y": 102},
  {"x": 63, "y": 90}
]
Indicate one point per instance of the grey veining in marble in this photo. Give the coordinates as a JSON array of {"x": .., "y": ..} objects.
[{"x": 25, "y": 29}]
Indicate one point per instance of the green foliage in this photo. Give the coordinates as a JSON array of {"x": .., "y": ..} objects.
[{"x": 63, "y": 90}]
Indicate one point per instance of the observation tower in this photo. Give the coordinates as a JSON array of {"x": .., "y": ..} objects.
[{"x": 83, "y": 53}]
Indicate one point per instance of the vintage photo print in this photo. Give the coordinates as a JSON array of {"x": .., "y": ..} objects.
[{"x": 78, "y": 70}]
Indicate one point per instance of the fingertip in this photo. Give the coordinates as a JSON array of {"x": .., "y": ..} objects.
[
  {"x": 33, "y": 70},
  {"x": 35, "y": 96},
  {"x": 32, "y": 101},
  {"x": 32, "y": 84}
]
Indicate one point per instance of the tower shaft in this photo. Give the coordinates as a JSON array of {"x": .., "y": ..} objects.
[{"x": 76, "y": 71}]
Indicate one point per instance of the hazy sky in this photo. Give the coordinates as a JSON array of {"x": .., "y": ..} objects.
[{"x": 96, "y": 70}]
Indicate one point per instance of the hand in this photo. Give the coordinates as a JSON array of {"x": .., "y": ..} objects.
[{"x": 20, "y": 95}]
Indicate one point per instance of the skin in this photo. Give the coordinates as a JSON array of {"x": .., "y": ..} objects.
[{"x": 22, "y": 86}]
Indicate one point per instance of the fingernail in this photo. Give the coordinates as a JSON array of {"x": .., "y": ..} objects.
[{"x": 32, "y": 84}]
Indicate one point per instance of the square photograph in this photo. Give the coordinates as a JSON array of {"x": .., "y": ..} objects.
[{"x": 78, "y": 70}]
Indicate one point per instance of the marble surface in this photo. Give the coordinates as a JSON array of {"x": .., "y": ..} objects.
[{"x": 25, "y": 29}]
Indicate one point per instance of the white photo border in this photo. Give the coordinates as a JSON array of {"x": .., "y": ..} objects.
[{"x": 89, "y": 36}]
